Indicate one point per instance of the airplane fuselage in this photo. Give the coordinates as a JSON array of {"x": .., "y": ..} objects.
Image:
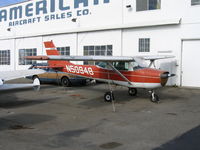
[{"x": 140, "y": 78}]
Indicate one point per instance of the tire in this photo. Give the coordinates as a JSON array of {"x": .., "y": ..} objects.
[
  {"x": 83, "y": 82},
  {"x": 108, "y": 97},
  {"x": 132, "y": 91},
  {"x": 154, "y": 98},
  {"x": 65, "y": 82}
]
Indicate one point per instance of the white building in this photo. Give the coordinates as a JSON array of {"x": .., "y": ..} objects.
[{"x": 105, "y": 27}]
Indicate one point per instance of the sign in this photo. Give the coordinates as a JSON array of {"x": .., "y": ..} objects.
[{"x": 46, "y": 10}]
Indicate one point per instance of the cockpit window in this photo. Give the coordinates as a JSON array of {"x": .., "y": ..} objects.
[
  {"x": 101, "y": 64},
  {"x": 138, "y": 64},
  {"x": 121, "y": 65}
]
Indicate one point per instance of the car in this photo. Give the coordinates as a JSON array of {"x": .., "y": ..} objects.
[{"x": 55, "y": 76}]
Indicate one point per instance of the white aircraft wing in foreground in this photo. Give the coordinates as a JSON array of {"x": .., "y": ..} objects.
[{"x": 10, "y": 75}]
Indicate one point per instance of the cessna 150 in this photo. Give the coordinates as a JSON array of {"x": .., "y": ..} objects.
[{"x": 119, "y": 70}]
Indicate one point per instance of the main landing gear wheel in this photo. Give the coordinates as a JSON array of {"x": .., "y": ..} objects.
[
  {"x": 132, "y": 91},
  {"x": 109, "y": 97},
  {"x": 154, "y": 98}
]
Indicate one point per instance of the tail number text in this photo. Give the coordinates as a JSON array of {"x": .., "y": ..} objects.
[{"x": 79, "y": 69}]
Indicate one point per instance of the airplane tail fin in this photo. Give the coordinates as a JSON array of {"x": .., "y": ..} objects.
[{"x": 52, "y": 50}]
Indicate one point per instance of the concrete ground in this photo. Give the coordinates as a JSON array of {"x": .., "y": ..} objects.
[{"x": 77, "y": 118}]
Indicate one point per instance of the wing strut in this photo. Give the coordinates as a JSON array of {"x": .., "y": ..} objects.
[
  {"x": 119, "y": 73},
  {"x": 152, "y": 62}
]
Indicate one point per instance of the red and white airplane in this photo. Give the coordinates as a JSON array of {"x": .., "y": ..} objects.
[{"x": 120, "y": 70}]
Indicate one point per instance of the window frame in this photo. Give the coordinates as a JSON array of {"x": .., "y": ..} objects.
[
  {"x": 147, "y": 6},
  {"x": 195, "y": 3},
  {"x": 144, "y": 45},
  {"x": 97, "y": 50},
  {"x": 5, "y": 57},
  {"x": 64, "y": 51},
  {"x": 26, "y": 52}
]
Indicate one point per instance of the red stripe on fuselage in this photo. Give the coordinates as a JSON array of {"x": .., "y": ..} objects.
[{"x": 145, "y": 75}]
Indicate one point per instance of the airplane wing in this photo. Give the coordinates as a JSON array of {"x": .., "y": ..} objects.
[
  {"x": 35, "y": 84},
  {"x": 82, "y": 58},
  {"x": 156, "y": 57},
  {"x": 152, "y": 59},
  {"x": 97, "y": 58},
  {"x": 10, "y": 75}
]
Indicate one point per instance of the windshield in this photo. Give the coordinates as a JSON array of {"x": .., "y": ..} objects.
[
  {"x": 101, "y": 64},
  {"x": 138, "y": 64}
]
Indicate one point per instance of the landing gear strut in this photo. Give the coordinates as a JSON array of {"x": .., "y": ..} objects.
[
  {"x": 109, "y": 96},
  {"x": 154, "y": 98}
]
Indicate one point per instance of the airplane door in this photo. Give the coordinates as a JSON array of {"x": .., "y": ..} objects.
[{"x": 191, "y": 63}]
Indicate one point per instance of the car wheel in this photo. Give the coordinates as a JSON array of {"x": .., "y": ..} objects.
[
  {"x": 83, "y": 82},
  {"x": 65, "y": 82}
]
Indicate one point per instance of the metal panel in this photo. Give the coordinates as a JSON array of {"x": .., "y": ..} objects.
[{"x": 190, "y": 63}]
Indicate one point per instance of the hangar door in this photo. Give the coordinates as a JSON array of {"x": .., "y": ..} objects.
[{"x": 191, "y": 63}]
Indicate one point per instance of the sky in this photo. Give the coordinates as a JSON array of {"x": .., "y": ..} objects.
[{"x": 8, "y": 2}]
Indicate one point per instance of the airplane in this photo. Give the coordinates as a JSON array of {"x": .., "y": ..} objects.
[
  {"x": 119, "y": 70},
  {"x": 10, "y": 75}
]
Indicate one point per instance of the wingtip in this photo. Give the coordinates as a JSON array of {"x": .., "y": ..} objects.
[
  {"x": 1, "y": 82},
  {"x": 36, "y": 82}
]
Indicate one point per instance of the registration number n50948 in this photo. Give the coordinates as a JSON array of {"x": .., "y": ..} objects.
[{"x": 79, "y": 69}]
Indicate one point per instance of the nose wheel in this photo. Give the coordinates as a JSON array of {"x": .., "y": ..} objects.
[{"x": 154, "y": 98}]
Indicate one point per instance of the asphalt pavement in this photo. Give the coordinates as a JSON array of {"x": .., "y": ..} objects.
[{"x": 77, "y": 118}]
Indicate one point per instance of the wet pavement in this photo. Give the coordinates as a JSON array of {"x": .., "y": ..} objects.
[{"x": 77, "y": 118}]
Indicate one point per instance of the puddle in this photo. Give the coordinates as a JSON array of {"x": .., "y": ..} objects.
[
  {"x": 19, "y": 127},
  {"x": 77, "y": 95},
  {"x": 110, "y": 145},
  {"x": 172, "y": 114}
]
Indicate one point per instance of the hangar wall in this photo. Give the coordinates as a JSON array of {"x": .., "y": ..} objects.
[{"x": 100, "y": 22}]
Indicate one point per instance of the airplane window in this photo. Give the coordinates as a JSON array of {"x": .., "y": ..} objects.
[
  {"x": 121, "y": 65},
  {"x": 102, "y": 64},
  {"x": 137, "y": 64}
]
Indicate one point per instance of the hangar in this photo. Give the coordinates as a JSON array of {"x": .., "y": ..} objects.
[{"x": 105, "y": 27}]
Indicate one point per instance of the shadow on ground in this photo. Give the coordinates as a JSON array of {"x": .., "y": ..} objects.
[
  {"x": 188, "y": 141},
  {"x": 23, "y": 120}
]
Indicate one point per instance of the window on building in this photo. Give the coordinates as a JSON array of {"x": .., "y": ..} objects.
[
  {"x": 27, "y": 52},
  {"x": 195, "y": 2},
  {"x": 142, "y": 5},
  {"x": 65, "y": 51},
  {"x": 97, "y": 50},
  {"x": 144, "y": 45},
  {"x": 4, "y": 57}
]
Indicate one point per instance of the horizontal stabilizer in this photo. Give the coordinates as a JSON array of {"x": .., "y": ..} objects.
[{"x": 53, "y": 67}]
